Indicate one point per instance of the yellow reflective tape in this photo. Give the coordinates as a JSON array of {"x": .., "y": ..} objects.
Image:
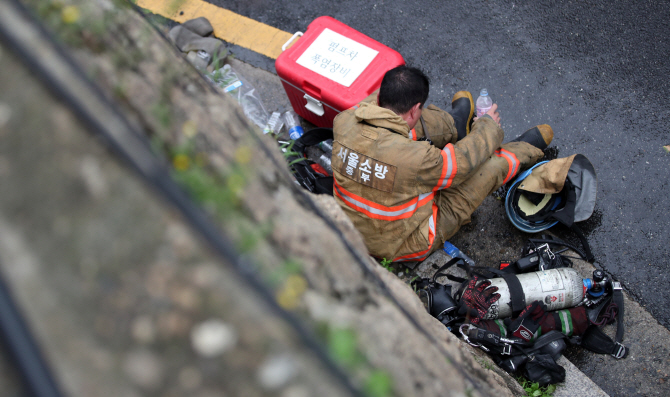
[{"x": 228, "y": 26}]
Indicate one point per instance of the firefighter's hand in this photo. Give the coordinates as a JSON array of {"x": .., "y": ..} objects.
[{"x": 493, "y": 113}]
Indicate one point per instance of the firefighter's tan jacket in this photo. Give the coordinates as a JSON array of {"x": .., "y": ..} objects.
[{"x": 386, "y": 180}]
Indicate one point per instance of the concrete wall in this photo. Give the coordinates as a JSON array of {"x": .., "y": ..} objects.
[{"x": 119, "y": 286}]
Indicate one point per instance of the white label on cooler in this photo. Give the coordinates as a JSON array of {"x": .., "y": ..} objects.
[{"x": 337, "y": 57}]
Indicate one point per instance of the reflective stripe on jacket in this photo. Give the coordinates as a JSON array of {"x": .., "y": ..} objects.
[{"x": 386, "y": 179}]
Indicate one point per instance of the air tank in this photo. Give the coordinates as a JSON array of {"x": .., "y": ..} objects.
[{"x": 557, "y": 288}]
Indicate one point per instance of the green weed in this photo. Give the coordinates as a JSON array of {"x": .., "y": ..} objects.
[
  {"x": 534, "y": 389},
  {"x": 163, "y": 113},
  {"x": 379, "y": 384},
  {"x": 285, "y": 269},
  {"x": 386, "y": 264},
  {"x": 343, "y": 346}
]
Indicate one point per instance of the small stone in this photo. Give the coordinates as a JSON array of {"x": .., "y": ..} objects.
[
  {"x": 143, "y": 368},
  {"x": 189, "y": 128},
  {"x": 296, "y": 391},
  {"x": 173, "y": 324},
  {"x": 143, "y": 329},
  {"x": 186, "y": 298},
  {"x": 206, "y": 275},
  {"x": 190, "y": 378},
  {"x": 212, "y": 338},
  {"x": 277, "y": 371},
  {"x": 94, "y": 179},
  {"x": 181, "y": 240}
]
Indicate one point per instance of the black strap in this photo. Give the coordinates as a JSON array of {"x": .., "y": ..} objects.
[
  {"x": 311, "y": 138},
  {"x": 425, "y": 130},
  {"x": 564, "y": 215},
  {"x": 480, "y": 271},
  {"x": 446, "y": 266},
  {"x": 594, "y": 311},
  {"x": 303, "y": 172},
  {"x": 551, "y": 240},
  {"x": 617, "y": 293},
  {"x": 587, "y": 249},
  {"x": 596, "y": 340},
  {"x": 546, "y": 339},
  {"x": 517, "y": 297}
]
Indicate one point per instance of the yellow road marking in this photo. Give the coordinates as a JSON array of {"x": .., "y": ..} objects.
[{"x": 228, "y": 26}]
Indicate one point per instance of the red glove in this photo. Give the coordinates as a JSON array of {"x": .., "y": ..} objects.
[{"x": 477, "y": 299}]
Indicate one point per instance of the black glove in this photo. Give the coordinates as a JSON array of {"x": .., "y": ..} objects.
[
  {"x": 526, "y": 325},
  {"x": 476, "y": 300}
]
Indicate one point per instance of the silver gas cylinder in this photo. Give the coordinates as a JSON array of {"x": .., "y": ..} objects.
[{"x": 557, "y": 288}]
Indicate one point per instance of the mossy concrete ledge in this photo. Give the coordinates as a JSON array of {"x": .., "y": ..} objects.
[{"x": 120, "y": 288}]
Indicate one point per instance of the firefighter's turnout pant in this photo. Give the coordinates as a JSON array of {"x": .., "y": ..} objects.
[{"x": 456, "y": 205}]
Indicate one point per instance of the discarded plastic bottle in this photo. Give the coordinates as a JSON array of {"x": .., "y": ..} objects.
[
  {"x": 292, "y": 122},
  {"x": 324, "y": 161},
  {"x": 326, "y": 146},
  {"x": 454, "y": 252},
  {"x": 275, "y": 124},
  {"x": 484, "y": 102}
]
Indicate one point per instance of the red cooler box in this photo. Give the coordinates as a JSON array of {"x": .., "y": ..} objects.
[{"x": 332, "y": 68}]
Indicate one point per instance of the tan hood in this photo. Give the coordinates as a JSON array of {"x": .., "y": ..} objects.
[{"x": 548, "y": 178}]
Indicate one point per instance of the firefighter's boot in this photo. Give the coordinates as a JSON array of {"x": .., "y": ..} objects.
[
  {"x": 539, "y": 136},
  {"x": 462, "y": 110}
]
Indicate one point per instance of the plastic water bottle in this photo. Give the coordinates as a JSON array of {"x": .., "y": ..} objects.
[
  {"x": 326, "y": 146},
  {"x": 292, "y": 122},
  {"x": 275, "y": 124},
  {"x": 454, "y": 252},
  {"x": 324, "y": 161},
  {"x": 484, "y": 102}
]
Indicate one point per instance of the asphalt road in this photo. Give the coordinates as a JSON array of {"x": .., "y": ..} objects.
[{"x": 596, "y": 71}]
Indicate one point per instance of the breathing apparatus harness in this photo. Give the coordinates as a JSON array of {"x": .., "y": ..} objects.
[{"x": 518, "y": 343}]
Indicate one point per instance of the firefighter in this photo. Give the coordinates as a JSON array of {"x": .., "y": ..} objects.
[{"x": 409, "y": 177}]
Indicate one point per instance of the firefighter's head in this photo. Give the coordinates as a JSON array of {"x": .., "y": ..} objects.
[{"x": 404, "y": 90}]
